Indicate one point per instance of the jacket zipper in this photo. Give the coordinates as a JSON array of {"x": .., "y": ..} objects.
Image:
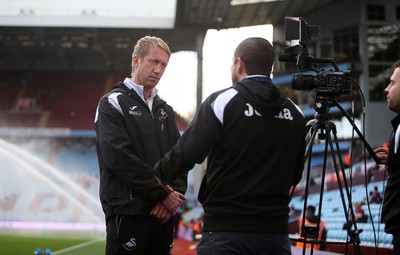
[{"x": 151, "y": 112}]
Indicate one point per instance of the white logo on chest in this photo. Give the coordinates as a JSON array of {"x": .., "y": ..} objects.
[{"x": 133, "y": 112}]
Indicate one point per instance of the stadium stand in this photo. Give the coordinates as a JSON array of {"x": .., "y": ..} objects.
[
  {"x": 36, "y": 190},
  {"x": 9, "y": 88},
  {"x": 59, "y": 99},
  {"x": 332, "y": 213},
  {"x": 73, "y": 160},
  {"x": 18, "y": 119}
]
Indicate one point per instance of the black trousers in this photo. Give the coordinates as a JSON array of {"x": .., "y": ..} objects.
[
  {"x": 138, "y": 235},
  {"x": 240, "y": 243},
  {"x": 396, "y": 244}
]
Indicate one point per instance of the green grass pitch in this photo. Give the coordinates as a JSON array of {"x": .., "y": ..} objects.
[{"x": 65, "y": 243}]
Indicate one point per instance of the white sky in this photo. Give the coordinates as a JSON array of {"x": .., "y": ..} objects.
[{"x": 178, "y": 85}]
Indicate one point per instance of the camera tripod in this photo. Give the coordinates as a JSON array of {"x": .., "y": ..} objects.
[{"x": 326, "y": 130}]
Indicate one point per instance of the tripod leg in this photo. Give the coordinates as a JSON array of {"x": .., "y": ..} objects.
[
  {"x": 326, "y": 129},
  {"x": 354, "y": 238},
  {"x": 303, "y": 230}
]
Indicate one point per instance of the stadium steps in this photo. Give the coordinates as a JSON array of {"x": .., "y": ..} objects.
[
  {"x": 109, "y": 83},
  {"x": 19, "y": 95},
  {"x": 44, "y": 118}
]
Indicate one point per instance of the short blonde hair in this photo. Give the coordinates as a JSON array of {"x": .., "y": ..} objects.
[{"x": 144, "y": 44}]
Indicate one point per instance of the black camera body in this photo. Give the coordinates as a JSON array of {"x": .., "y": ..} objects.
[{"x": 325, "y": 83}]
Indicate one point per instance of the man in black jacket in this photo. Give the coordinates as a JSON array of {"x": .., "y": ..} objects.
[
  {"x": 134, "y": 129},
  {"x": 254, "y": 138},
  {"x": 391, "y": 157}
]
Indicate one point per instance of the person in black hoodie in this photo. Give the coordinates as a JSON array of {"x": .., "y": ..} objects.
[
  {"x": 391, "y": 157},
  {"x": 254, "y": 138},
  {"x": 134, "y": 129}
]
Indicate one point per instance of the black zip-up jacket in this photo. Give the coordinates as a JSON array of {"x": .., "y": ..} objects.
[
  {"x": 254, "y": 138},
  {"x": 130, "y": 140},
  {"x": 391, "y": 201}
]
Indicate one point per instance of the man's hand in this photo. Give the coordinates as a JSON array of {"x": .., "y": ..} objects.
[
  {"x": 382, "y": 154},
  {"x": 160, "y": 212},
  {"x": 173, "y": 201}
]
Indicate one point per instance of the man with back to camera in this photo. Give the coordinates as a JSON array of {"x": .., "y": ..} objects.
[
  {"x": 391, "y": 157},
  {"x": 134, "y": 129},
  {"x": 254, "y": 137}
]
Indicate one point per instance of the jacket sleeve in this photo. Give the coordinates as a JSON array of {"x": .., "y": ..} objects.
[
  {"x": 193, "y": 147},
  {"x": 117, "y": 156},
  {"x": 180, "y": 183}
]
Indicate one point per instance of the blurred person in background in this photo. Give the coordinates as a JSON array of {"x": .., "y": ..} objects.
[
  {"x": 311, "y": 220},
  {"x": 390, "y": 156},
  {"x": 254, "y": 138},
  {"x": 134, "y": 129},
  {"x": 359, "y": 214},
  {"x": 375, "y": 196}
]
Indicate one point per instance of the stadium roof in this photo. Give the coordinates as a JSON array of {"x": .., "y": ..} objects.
[{"x": 29, "y": 46}]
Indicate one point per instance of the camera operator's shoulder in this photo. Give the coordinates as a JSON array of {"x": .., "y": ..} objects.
[{"x": 296, "y": 107}]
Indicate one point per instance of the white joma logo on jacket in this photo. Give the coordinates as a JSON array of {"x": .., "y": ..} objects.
[
  {"x": 284, "y": 114},
  {"x": 250, "y": 111}
]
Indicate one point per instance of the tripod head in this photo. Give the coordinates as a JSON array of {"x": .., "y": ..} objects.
[{"x": 323, "y": 105}]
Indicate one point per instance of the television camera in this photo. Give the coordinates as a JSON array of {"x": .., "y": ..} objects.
[{"x": 326, "y": 83}]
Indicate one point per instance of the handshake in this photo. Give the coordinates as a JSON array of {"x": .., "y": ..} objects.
[{"x": 164, "y": 210}]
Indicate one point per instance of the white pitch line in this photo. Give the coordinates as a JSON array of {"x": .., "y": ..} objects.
[{"x": 78, "y": 246}]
